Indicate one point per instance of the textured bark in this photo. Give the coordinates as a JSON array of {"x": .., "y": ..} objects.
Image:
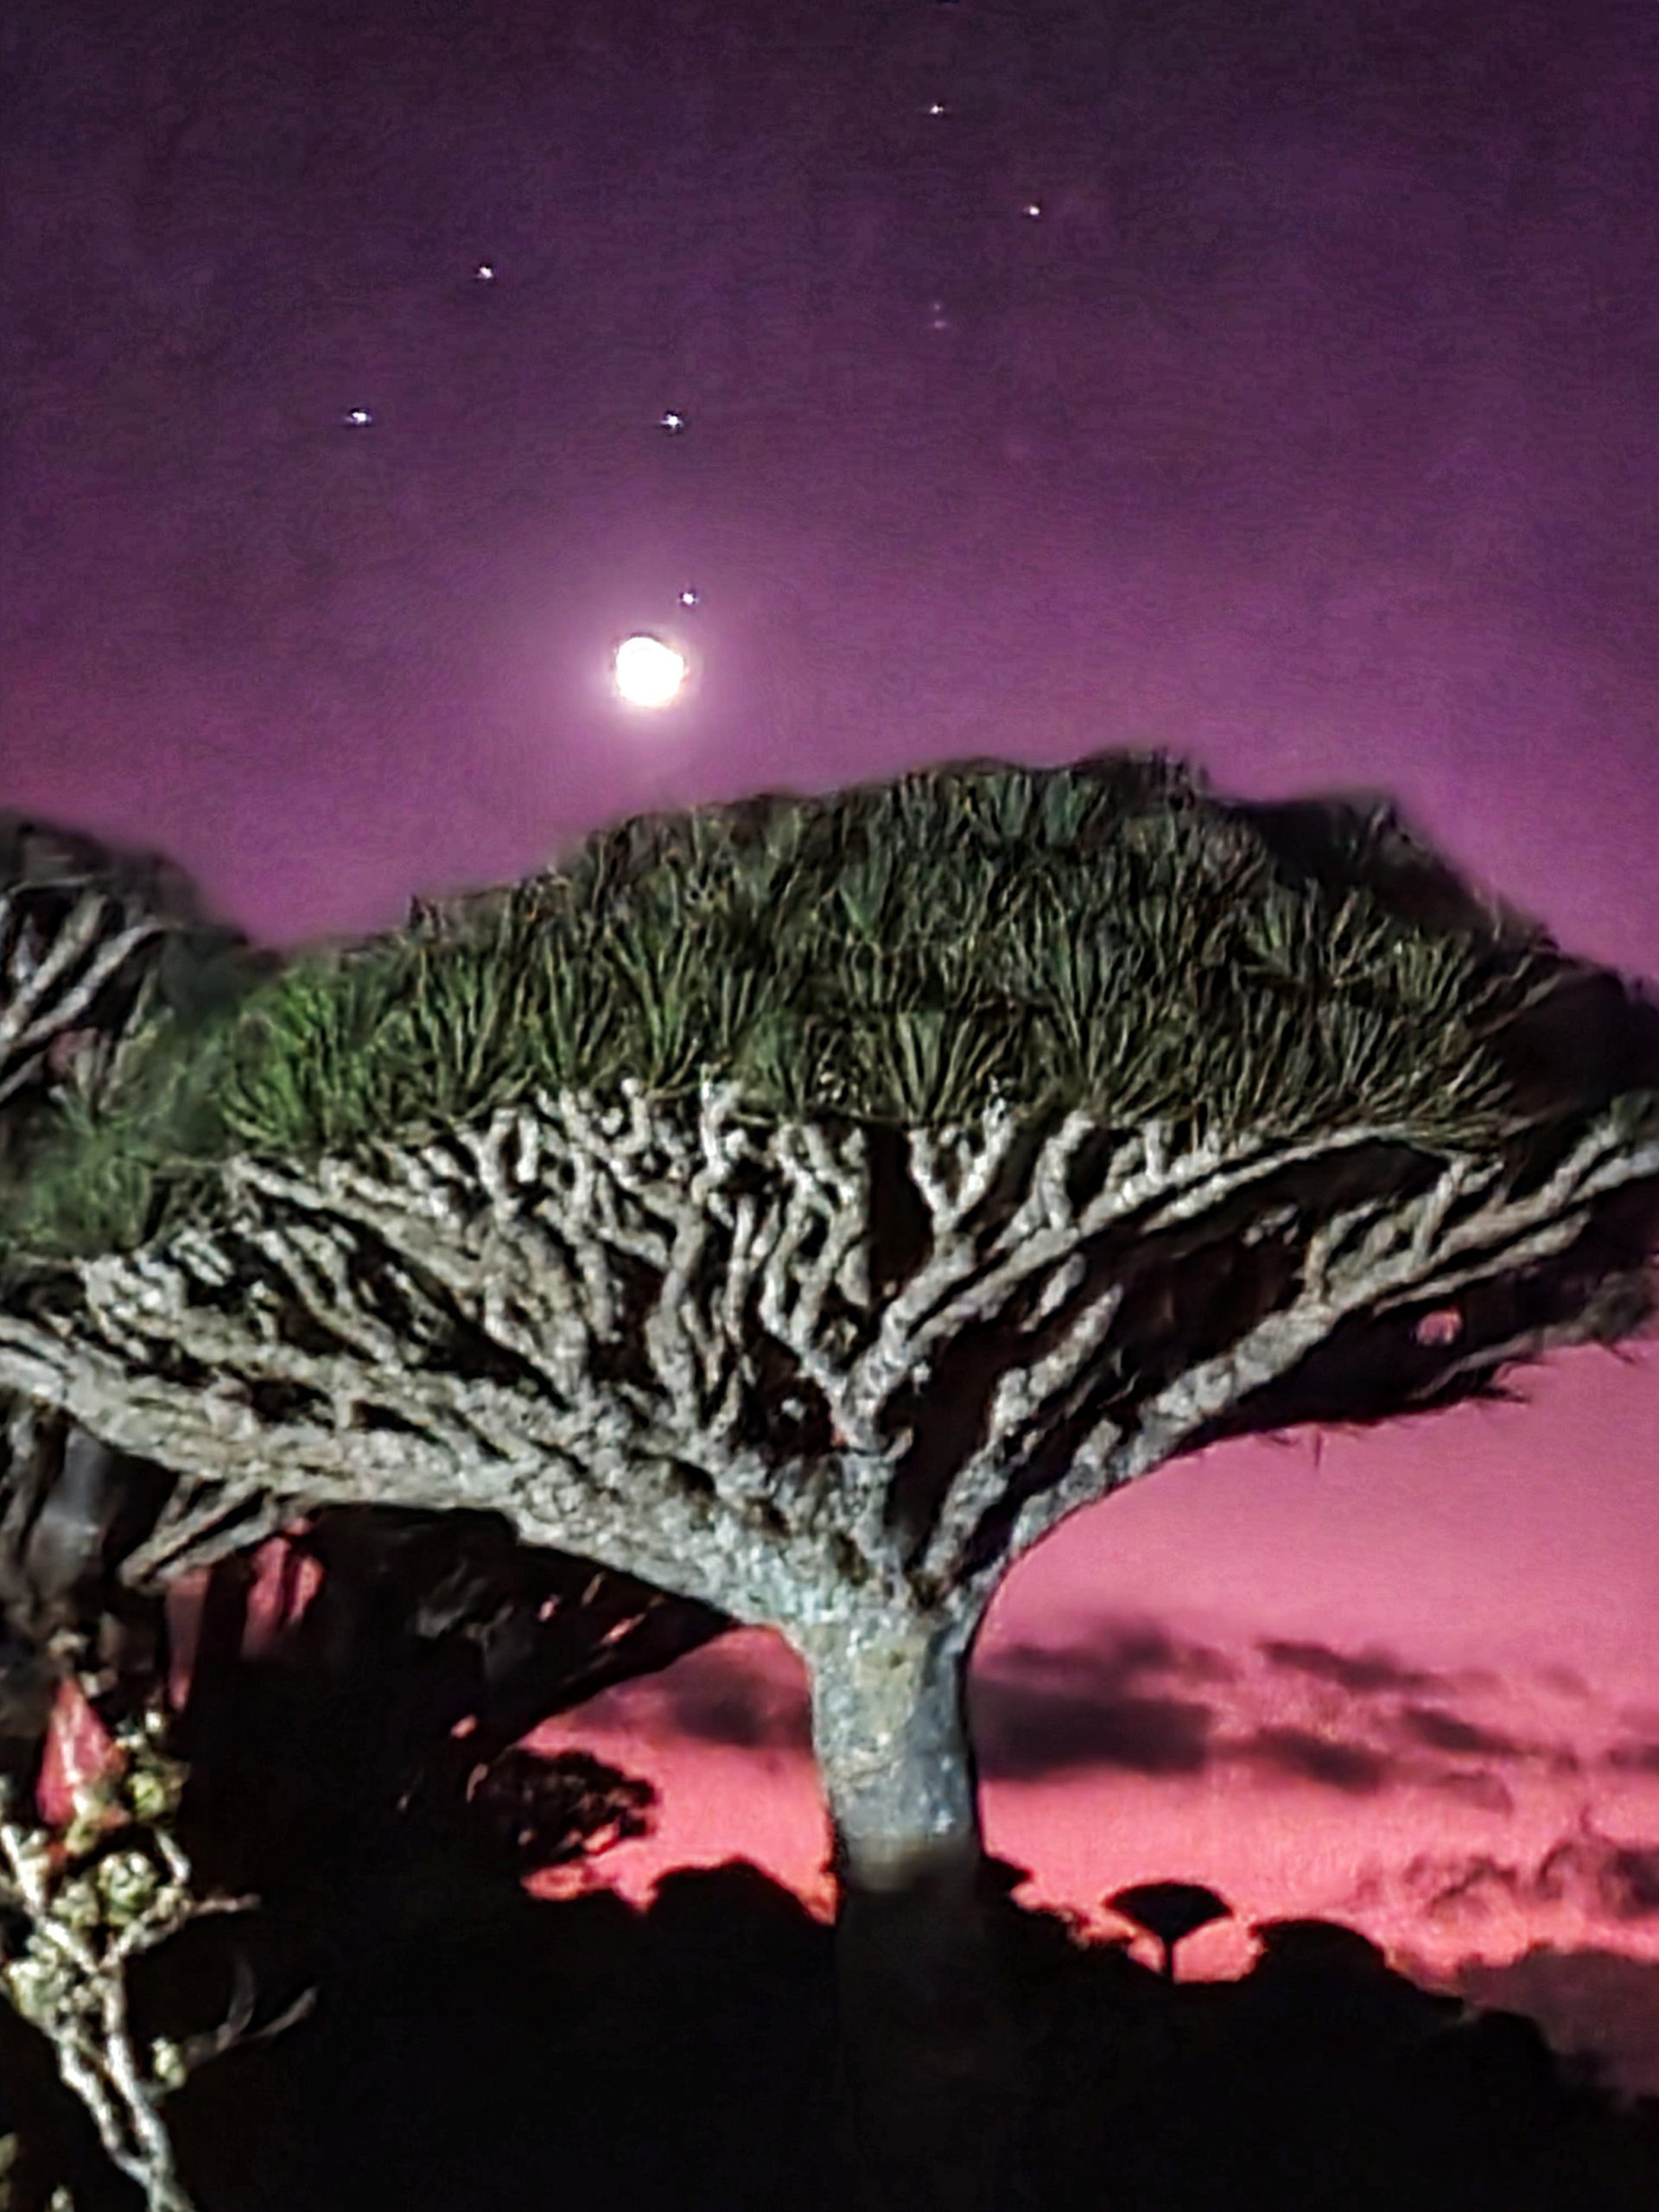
[
  {"x": 891, "y": 1741},
  {"x": 933, "y": 2076},
  {"x": 655, "y": 1341},
  {"x": 56, "y": 976},
  {"x": 95, "y": 948}
]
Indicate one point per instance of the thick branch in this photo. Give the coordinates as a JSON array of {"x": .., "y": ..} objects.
[
  {"x": 651, "y": 1338},
  {"x": 1403, "y": 1257},
  {"x": 45, "y": 990}
]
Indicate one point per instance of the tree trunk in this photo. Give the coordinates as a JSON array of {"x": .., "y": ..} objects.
[{"x": 930, "y": 2048}]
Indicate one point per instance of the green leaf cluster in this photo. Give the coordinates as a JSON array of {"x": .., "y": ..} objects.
[{"x": 1105, "y": 934}]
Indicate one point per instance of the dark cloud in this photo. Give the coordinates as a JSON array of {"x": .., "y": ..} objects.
[
  {"x": 1633, "y": 1758},
  {"x": 1038, "y": 1711},
  {"x": 1363, "y": 1673},
  {"x": 1445, "y": 1731},
  {"x": 1444, "y": 1885},
  {"x": 1436, "y": 1730},
  {"x": 1566, "y": 1682},
  {"x": 1111, "y": 1658},
  {"x": 1026, "y": 1734},
  {"x": 1484, "y": 1791},
  {"x": 1120, "y": 1699},
  {"x": 1614, "y": 1881},
  {"x": 1416, "y": 1725},
  {"x": 1303, "y": 1756},
  {"x": 717, "y": 1700},
  {"x": 1627, "y": 1880}
]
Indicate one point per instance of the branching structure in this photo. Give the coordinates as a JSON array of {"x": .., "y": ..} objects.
[
  {"x": 112, "y": 1885},
  {"x": 461, "y": 1302},
  {"x": 94, "y": 948},
  {"x": 100, "y": 952},
  {"x": 805, "y": 1207}
]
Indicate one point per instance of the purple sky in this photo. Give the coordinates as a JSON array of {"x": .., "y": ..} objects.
[{"x": 1307, "y": 430}]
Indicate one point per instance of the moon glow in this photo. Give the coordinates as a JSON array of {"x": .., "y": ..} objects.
[{"x": 647, "y": 672}]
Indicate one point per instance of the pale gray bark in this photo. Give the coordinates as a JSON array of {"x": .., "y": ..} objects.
[
  {"x": 47, "y": 988},
  {"x": 317, "y": 1347},
  {"x": 890, "y": 1736},
  {"x": 94, "y": 946},
  {"x": 562, "y": 1314}
]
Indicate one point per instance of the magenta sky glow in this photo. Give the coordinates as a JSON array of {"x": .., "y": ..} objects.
[{"x": 1307, "y": 428}]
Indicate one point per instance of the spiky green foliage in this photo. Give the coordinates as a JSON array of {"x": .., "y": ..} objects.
[{"x": 1105, "y": 934}]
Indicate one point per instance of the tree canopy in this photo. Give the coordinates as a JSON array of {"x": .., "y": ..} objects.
[
  {"x": 1106, "y": 935},
  {"x": 803, "y": 1203}
]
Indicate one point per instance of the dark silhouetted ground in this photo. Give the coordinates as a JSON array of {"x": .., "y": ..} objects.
[{"x": 472, "y": 2046}]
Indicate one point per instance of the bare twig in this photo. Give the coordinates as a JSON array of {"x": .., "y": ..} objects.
[{"x": 114, "y": 1884}]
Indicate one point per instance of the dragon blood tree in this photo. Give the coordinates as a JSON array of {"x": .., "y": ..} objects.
[
  {"x": 99, "y": 952},
  {"x": 803, "y": 1206}
]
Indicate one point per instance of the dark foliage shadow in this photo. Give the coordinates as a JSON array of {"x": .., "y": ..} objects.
[{"x": 475, "y": 2046}]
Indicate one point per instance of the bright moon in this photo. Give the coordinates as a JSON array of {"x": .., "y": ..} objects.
[{"x": 648, "y": 672}]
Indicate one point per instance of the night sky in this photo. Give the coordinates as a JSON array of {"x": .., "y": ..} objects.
[{"x": 1278, "y": 385}]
